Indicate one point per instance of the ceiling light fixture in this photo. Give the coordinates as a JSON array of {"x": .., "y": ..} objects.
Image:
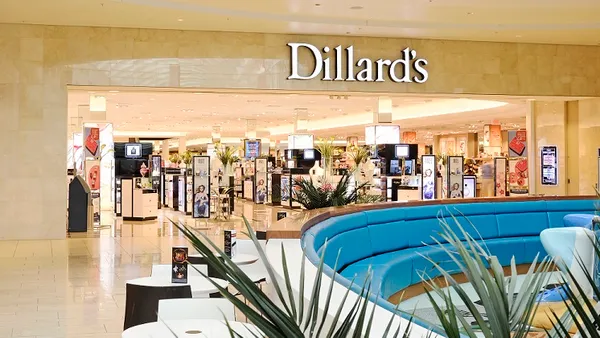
[
  {"x": 356, "y": 8},
  {"x": 180, "y": 20}
]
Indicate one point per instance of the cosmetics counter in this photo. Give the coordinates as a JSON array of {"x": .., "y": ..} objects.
[
  {"x": 136, "y": 196},
  {"x": 138, "y": 203},
  {"x": 170, "y": 191},
  {"x": 185, "y": 192}
]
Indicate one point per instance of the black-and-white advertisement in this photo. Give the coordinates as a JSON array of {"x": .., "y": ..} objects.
[
  {"x": 201, "y": 183},
  {"x": 455, "y": 176}
]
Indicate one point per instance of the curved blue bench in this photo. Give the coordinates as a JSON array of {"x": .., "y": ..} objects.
[{"x": 392, "y": 241}]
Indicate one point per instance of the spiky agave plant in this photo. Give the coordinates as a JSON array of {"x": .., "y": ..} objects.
[
  {"x": 291, "y": 318},
  {"x": 508, "y": 315}
]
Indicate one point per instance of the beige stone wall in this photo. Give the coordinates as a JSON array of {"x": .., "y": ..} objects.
[
  {"x": 550, "y": 121},
  {"x": 37, "y": 62},
  {"x": 589, "y": 143}
]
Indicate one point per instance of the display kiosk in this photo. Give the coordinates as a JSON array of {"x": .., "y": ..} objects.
[
  {"x": 261, "y": 188},
  {"x": 133, "y": 190},
  {"x": 137, "y": 202},
  {"x": 500, "y": 165},
  {"x": 275, "y": 191},
  {"x": 80, "y": 208},
  {"x": 455, "y": 173},
  {"x": 156, "y": 177},
  {"x": 184, "y": 192},
  {"x": 201, "y": 187},
  {"x": 428, "y": 179}
]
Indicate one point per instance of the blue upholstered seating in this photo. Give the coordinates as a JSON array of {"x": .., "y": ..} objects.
[{"x": 392, "y": 242}]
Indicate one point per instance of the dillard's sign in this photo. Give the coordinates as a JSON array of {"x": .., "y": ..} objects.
[{"x": 403, "y": 70}]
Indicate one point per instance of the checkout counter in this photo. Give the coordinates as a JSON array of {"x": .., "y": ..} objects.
[{"x": 138, "y": 203}]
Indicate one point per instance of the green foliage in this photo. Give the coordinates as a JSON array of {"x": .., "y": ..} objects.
[
  {"x": 175, "y": 158},
  {"x": 187, "y": 157},
  {"x": 358, "y": 155},
  {"x": 364, "y": 198},
  {"x": 326, "y": 148},
  {"x": 314, "y": 196},
  {"x": 293, "y": 318},
  {"x": 508, "y": 316},
  {"x": 226, "y": 154}
]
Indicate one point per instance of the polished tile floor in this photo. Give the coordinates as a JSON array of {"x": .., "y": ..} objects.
[{"x": 75, "y": 288}]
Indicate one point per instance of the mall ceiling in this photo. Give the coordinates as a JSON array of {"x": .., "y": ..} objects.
[
  {"x": 170, "y": 114},
  {"x": 539, "y": 21}
]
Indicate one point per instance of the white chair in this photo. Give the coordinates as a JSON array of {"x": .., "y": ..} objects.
[
  {"x": 256, "y": 271},
  {"x": 196, "y": 308},
  {"x": 165, "y": 270}
]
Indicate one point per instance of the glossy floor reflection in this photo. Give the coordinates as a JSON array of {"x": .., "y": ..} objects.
[{"x": 75, "y": 288}]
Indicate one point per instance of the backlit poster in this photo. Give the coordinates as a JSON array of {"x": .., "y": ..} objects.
[
  {"x": 252, "y": 148},
  {"x": 92, "y": 177},
  {"x": 486, "y": 135},
  {"x": 470, "y": 186},
  {"x": 495, "y": 135},
  {"x": 285, "y": 188},
  {"x": 428, "y": 179},
  {"x": 500, "y": 176},
  {"x": 91, "y": 142},
  {"x": 517, "y": 143},
  {"x": 518, "y": 182},
  {"x": 549, "y": 165},
  {"x": 260, "y": 181},
  {"x": 201, "y": 184},
  {"x": 455, "y": 176}
]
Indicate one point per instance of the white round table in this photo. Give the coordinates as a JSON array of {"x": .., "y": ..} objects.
[
  {"x": 195, "y": 328},
  {"x": 238, "y": 259},
  {"x": 200, "y": 286}
]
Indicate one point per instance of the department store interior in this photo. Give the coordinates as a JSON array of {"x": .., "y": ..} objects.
[
  {"x": 472, "y": 147},
  {"x": 291, "y": 169}
]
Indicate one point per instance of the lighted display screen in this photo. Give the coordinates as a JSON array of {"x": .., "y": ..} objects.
[{"x": 382, "y": 134}]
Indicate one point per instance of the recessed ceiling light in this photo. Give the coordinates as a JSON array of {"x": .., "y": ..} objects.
[
  {"x": 180, "y": 20},
  {"x": 517, "y": 36},
  {"x": 356, "y": 7},
  {"x": 470, "y": 13}
]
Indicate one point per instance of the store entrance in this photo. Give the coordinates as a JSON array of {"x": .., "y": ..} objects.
[{"x": 199, "y": 154}]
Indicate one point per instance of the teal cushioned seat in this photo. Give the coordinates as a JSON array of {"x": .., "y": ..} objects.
[
  {"x": 392, "y": 241},
  {"x": 557, "y": 210}
]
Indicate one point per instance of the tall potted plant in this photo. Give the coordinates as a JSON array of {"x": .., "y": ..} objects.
[
  {"x": 358, "y": 155},
  {"x": 175, "y": 159},
  {"x": 227, "y": 156},
  {"x": 326, "y": 148}
]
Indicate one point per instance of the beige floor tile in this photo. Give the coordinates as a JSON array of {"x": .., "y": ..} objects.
[{"x": 75, "y": 288}]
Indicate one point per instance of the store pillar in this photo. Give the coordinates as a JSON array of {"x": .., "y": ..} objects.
[
  {"x": 182, "y": 145},
  {"x": 164, "y": 150}
]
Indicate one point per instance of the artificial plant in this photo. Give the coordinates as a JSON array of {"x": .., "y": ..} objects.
[
  {"x": 283, "y": 315},
  {"x": 358, "y": 155},
  {"x": 175, "y": 158},
  {"x": 313, "y": 196},
  {"x": 226, "y": 154},
  {"x": 187, "y": 157},
  {"x": 506, "y": 313}
]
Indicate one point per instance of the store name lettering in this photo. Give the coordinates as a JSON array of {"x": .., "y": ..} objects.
[{"x": 408, "y": 68}]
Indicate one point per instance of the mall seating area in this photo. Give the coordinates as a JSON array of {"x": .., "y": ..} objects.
[{"x": 394, "y": 242}]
